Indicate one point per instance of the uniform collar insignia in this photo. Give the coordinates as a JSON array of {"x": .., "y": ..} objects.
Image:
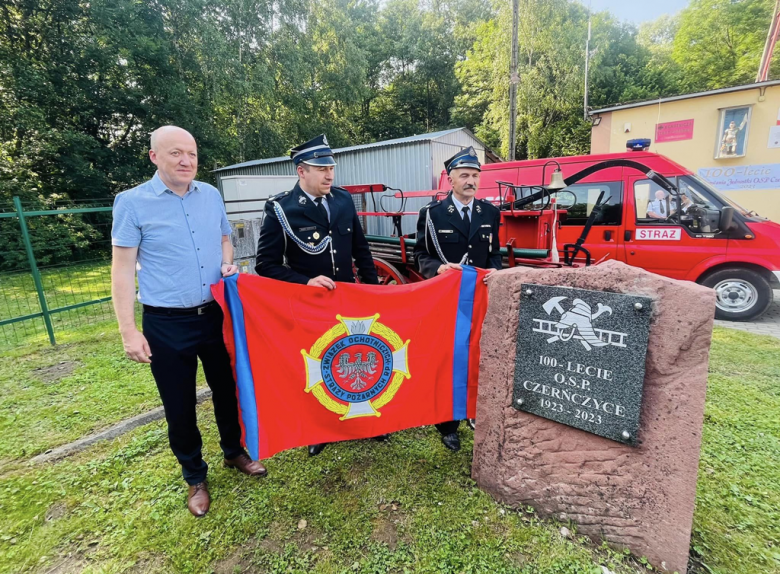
[
  {"x": 451, "y": 209},
  {"x": 302, "y": 199},
  {"x": 478, "y": 208}
]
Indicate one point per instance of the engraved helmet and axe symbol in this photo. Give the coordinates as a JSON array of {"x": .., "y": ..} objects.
[{"x": 576, "y": 321}]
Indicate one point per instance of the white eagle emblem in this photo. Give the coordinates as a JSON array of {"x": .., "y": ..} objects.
[{"x": 357, "y": 371}]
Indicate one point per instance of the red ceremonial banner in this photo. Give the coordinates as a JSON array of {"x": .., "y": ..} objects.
[{"x": 315, "y": 366}]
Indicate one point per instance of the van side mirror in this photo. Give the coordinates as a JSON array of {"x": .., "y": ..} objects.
[{"x": 726, "y": 218}]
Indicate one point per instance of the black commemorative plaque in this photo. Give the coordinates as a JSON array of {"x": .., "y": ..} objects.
[{"x": 581, "y": 358}]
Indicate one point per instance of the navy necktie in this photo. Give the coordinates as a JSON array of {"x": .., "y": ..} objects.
[{"x": 321, "y": 207}]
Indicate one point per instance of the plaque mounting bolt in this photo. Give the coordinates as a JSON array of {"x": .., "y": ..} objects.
[
  {"x": 520, "y": 402},
  {"x": 638, "y": 306},
  {"x": 529, "y": 292},
  {"x": 626, "y": 435}
]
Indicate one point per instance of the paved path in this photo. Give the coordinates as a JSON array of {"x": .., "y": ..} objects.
[{"x": 767, "y": 324}]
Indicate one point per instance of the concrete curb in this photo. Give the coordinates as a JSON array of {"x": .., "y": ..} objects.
[{"x": 110, "y": 433}]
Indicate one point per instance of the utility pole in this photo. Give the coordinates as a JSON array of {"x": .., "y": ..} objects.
[
  {"x": 587, "y": 65},
  {"x": 514, "y": 79}
]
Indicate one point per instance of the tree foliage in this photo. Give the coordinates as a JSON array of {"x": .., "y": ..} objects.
[
  {"x": 82, "y": 84},
  {"x": 551, "y": 40},
  {"x": 719, "y": 42},
  {"x": 710, "y": 44}
]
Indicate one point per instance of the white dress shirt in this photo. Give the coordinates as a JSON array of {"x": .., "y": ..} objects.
[
  {"x": 324, "y": 201},
  {"x": 459, "y": 206}
]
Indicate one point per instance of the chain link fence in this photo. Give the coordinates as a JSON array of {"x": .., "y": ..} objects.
[{"x": 55, "y": 268}]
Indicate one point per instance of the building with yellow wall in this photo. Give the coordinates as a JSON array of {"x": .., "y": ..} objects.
[{"x": 729, "y": 138}]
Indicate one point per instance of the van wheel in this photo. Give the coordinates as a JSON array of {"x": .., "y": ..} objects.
[{"x": 741, "y": 294}]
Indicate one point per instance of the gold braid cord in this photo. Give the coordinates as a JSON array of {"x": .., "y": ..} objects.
[{"x": 334, "y": 333}]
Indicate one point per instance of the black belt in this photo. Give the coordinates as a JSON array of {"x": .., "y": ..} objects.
[{"x": 202, "y": 310}]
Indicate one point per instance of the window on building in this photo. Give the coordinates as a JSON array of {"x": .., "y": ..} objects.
[{"x": 732, "y": 136}]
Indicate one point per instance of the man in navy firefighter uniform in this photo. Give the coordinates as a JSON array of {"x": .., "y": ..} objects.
[
  {"x": 311, "y": 234},
  {"x": 458, "y": 230}
]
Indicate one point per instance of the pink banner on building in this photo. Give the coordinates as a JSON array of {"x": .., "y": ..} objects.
[{"x": 674, "y": 131}]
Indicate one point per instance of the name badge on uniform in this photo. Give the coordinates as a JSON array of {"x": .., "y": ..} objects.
[
  {"x": 446, "y": 231},
  {"x": 487, "y": 225},
  {"x": 312, "y": 228}
]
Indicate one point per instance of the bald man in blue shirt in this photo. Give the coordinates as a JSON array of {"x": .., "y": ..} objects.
[{"x": 174, "y": 232}]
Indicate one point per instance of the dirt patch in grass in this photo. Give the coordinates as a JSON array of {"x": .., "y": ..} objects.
[
  {"x": 274, "y": 540},
  {"x": 386, "y": 532},
  {"x": 279, "y": 536},
  {"x": 66, "y": 565},
  {"x": 271, "y": 545},
  {"x": 150, "y": 565},
  {"x": 389, "y": 525},
  {"x": 306, "y": 540},
  {"x": 240, "y": 560},
  {"x": 56, "y": 372},
  {"x": 56, "y": 510}
]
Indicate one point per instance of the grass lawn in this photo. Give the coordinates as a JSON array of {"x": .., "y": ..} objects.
[
  {"x": 54, "y": 395},
  {"x": 406, "y": 505},
  {"x": 64, "y": 285}
]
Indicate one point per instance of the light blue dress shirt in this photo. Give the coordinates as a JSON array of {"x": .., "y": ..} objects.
[{"x": 179, "y": 241}]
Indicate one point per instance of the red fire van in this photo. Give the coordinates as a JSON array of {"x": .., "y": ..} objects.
[{"x": 734, "y": 251}]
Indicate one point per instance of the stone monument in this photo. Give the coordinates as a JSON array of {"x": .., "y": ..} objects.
[{"x": 614, "y": 444}]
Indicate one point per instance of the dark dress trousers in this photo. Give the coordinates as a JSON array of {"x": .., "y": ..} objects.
[
  {"x": 457, "y": 237},
  {"x": 177, "y": 342},
  {"x": 280, "y": 257}
]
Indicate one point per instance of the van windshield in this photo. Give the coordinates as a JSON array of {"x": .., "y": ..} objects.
[{"x": 690, "y": 184}]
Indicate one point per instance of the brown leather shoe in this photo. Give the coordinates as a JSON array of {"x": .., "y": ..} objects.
[
  {"x": 246, "y": 465},
  {"x": 198, "y": 500}
]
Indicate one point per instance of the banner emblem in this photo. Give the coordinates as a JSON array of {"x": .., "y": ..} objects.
[{"x": 356, "y": 367}]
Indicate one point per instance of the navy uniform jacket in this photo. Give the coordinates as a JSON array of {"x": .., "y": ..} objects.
[
  {"x": 456, "y": 236},
  {"x": 278, "y": 257}
]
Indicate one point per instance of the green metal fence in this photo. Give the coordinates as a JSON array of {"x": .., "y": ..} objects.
[{"x": 55, "y": 268}]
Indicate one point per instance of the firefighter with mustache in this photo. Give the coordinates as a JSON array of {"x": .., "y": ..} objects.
[{"x": 458, "y": 230}]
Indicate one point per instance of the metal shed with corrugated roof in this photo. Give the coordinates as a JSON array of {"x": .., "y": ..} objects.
[{"x": 412, "y": 163}]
